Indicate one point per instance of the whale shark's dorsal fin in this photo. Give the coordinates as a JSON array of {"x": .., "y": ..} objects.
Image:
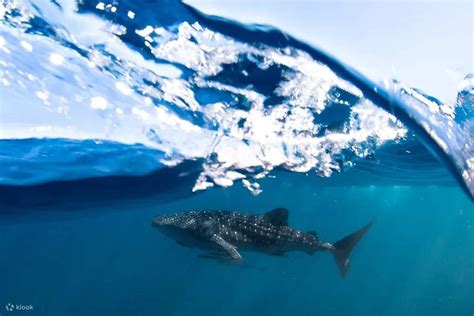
[{"x": 278, "y": 216}]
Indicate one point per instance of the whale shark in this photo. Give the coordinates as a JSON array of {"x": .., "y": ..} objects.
[{"x": 223, "y": 234}]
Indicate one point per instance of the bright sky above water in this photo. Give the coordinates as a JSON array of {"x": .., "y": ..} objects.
[{"x": 425, "y": 44}]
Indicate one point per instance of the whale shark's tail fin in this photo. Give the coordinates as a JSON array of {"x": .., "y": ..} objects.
[{"x": 343, "y": 249}]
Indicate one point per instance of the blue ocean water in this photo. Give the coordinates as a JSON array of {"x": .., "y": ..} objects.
[
  {"x": 418, "y": 258},
  {"x": 114, "y": 113}
]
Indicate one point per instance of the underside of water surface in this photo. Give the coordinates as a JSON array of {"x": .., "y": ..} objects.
[
  {"x": 104, "y": 93},
  {"x": 114, "y": 112}
]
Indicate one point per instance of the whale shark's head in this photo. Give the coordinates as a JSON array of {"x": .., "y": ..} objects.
[
  {"x": 175, "y": 225},
  {"x": 165, "y": 220},
  {"x": 185, "y": 221},
  {"x": 180, "y": 227}
]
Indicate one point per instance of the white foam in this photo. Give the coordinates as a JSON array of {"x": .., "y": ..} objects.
[{"x": 131, "y": 99}]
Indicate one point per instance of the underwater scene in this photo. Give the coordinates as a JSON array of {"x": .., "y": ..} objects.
[{"x": 162, "y": 157}]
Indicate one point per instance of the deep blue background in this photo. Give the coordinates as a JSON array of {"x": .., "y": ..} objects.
[
  {"x": 88, "y": 248},
  {"x": 418, "y": 258}
]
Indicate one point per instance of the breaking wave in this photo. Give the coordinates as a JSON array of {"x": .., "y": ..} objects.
[{"x": 93, "y": 89}]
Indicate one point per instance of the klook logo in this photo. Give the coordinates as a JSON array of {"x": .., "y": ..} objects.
[{"x": 18, "y": 307}]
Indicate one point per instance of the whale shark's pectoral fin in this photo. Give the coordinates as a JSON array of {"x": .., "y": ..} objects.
[{"x": 227, "y": 246}]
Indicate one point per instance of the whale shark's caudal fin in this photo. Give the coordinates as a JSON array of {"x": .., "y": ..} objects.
[{"x": 343, "y": 249}]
